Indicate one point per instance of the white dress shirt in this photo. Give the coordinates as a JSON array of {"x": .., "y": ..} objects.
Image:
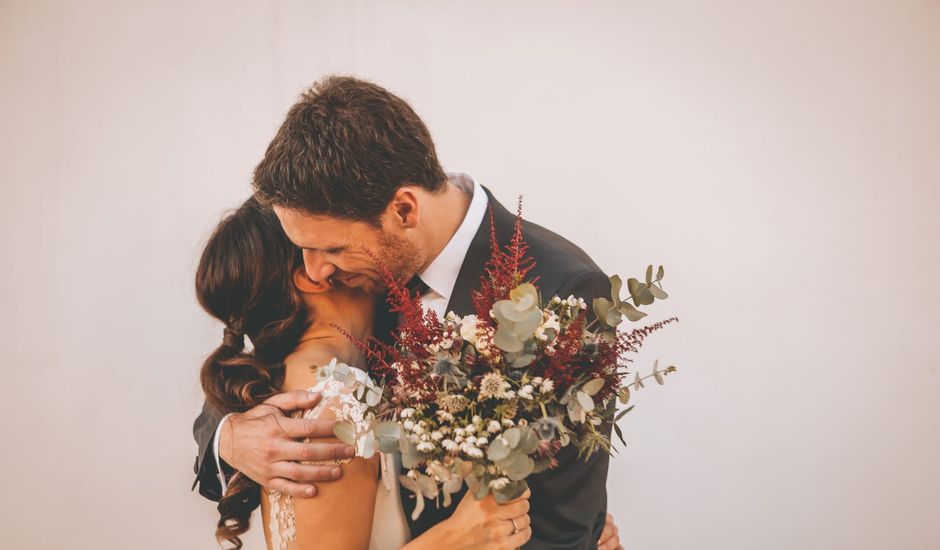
[{"x": 440, "y": 276}]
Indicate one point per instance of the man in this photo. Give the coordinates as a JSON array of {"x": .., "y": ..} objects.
[{"x": 353, "y": 176}]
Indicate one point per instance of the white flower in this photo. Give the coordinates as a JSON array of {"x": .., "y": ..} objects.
[
  {"x": 468, "y": 329},
  {"x": 446, "y": 343},
  {"x": 470, "y": 429},
  {"x": 482, "y": 442},
  {"x": 499, "y": 483},
  {"x": 508, "y": 422},
  {"x": 547, "y": 386},
  {"x": 405, "y": 413},
  {"x": 408, "y": 425},
  {"x": 473, "y": 452},
  {"x": 537, "y": 381},
  {"x": 436, "y": 435},
  {"x": 525, "y": 392},
  {"x": 572, "y": 301},
  {"x": 472, "y": 440},
  {"x": 426, "y": 447},
  {"x": 493, "y": 427},
  {"x": 449, "y": 444}
]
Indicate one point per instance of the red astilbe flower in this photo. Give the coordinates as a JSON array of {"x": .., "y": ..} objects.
[{"x": 505, "y": 270}]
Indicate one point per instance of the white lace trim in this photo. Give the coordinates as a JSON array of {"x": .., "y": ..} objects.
[{"x": 338, "y": 396}]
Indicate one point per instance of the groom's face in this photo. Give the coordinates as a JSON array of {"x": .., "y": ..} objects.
[{"x": 351, "y": 252}]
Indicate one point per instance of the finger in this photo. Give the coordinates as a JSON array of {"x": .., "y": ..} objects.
[
  {"x": 299, "y": 428},
  {"x": 292, "y": 471},
  {"x": 523, "y": 496},
  {"x": 609, "y": 533},
  {"x": 512, "y": 510},
  {"x": 293, "y": 400},
  {"x": 288, "y": 487},
  {"x": 523, "y": 521},
  {"x": 518, "y": 539},
  {"x": 612, "y": 544},
  {"x": 315, "y": 451}
]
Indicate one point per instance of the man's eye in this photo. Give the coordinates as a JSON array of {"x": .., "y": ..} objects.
[{"x": 333, "y": 250}]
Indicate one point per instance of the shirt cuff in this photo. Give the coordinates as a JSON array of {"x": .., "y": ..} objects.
[{"x": 215, "y": 452}]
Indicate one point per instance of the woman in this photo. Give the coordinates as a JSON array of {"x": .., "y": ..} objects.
[{"x": 251, "y": 278}]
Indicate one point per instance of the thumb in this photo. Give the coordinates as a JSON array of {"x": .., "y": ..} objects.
[{"x": 293, "y": 400}]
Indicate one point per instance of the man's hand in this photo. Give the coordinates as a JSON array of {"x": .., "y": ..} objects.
[
  {"x": 263, "y": 443},
  {"x": 610, "y": 537}
]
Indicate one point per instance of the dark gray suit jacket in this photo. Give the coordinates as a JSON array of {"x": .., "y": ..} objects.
[{"x": 568, "y": 503}]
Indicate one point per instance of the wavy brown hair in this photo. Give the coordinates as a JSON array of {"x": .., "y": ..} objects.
[{"x": 244, "y": 281}]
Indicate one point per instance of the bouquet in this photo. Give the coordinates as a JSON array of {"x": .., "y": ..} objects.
[{"x": 491, "y": 398}]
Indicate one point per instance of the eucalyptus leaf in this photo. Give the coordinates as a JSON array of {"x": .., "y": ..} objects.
[
  {"x": 593, "y": 386},
  {"x": 632, "y": 313},
  {"x": 601, "y": 307},
  {"x": 649, "y": 274},
  {"x": 523, "y": 361},
  {"x": 373, "y": 398},
  {"x": 346, "y": 432},
  {"x": 614, "y": 318},
  {"x": 512, "y": 436},
  {"x": 507, "y": 341},
  {"x": 498, "y": 450},
  {"x": 615, "y": 285},
  {"x": 637, "y": 381},
  {"x": 512, "y": 491},
  {"x": 529, "y": 441},
  {"x": 624, "y": 396},
  {"x": 659, "y": 273},
  {"x": 658, "y": 293}
]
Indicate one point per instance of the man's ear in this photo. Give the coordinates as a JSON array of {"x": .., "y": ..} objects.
[
  {"x": 404, "y": 210},
  {"x": 305, "y": 284}
]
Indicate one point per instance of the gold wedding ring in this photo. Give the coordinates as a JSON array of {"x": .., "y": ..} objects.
[{"x": 514, "y": 526}]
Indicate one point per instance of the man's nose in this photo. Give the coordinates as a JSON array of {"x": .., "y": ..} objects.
[{"x": 317, "y": 269}]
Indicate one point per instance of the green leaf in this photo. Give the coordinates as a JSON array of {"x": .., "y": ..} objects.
[
  {"x": 660, "y": 273},
  {"x": 512, "y": 437},
  {"x": 633, "y": 287},
  {"x": 512, "y": 491},
  {"x": 619, "y": 434},
  {"x": 346, "y": 432},
  {"x": 373, "y": 398},
  {"x": 623, "y": 412},
  {"x": 632, "y": 313},
  {"x": 613, "y": 316},
  {"x": 615, "y": 285},
  {"x": 601, "y": 307},
  {"x": 624, "y": 396},
  {"x": 637, "y": 381},
  {"x": 593, "y": 386},
  {"x": 649, "y": 274},
  {"x": 497, "y": 450},
  {"x": 523, "y": 361},
  {"x": 658, "y": 293},
  {"x": 529, "y": 441},
  {"x": 506, "y": 340},
  {"x": 658, "y": 376}
]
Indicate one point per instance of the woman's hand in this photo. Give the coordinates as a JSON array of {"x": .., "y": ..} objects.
[{"x": 481, "y": 525}]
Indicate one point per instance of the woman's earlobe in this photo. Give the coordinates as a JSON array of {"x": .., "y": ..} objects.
[{"x": 305, "y": 284}]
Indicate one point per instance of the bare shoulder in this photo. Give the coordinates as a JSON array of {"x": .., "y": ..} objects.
[{"x": 300, "y": 367}]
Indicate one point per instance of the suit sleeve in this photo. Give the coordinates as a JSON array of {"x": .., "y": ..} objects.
[
  {"x": 207, "y": 475},
  {"x": 569, "y": 503}
]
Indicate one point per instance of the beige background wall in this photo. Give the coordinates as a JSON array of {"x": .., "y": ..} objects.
[{"x": 782, "y": 159}]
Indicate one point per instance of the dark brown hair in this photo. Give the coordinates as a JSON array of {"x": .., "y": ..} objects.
[
  {"x": 346, "y": 146},
  {"x": 244, "y": 280}
]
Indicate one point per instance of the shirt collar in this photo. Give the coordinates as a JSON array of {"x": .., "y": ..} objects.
[{"x": 441, "y": 274}]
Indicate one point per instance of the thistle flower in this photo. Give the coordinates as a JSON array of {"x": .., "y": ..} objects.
[
  {"x": 453, "y": 403},
  {"x": 492, "y": 386}
]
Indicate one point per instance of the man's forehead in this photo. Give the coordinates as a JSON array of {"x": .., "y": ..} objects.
[{"x": 322, "y": 229}]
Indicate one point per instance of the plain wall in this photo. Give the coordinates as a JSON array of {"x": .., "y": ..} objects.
[{"x": 781, "y": 159}]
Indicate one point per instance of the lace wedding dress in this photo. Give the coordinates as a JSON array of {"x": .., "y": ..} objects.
[{"x": 389, "y": 526}]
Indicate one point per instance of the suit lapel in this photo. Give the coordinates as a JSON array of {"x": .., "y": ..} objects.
[{"x": 468, "y": 279}]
